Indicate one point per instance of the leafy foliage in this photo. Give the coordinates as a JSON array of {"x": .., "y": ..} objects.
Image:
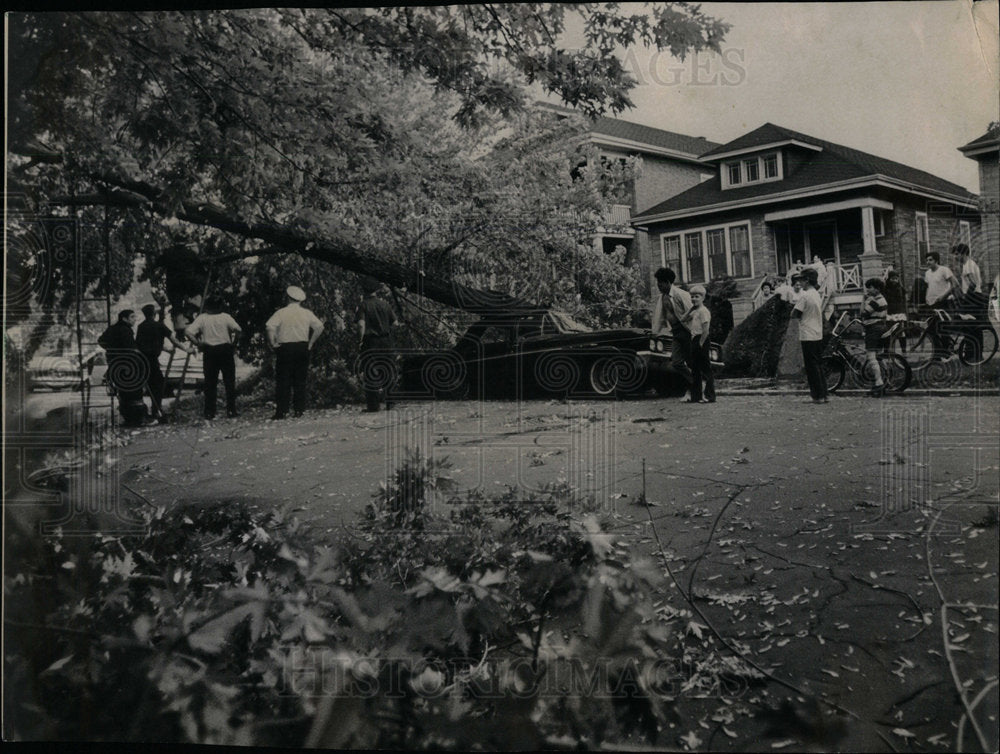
[
  {"x": 506, "y": 621},
  {"x": 383, "y": 140},
  {"x": 754, "y": 348}
]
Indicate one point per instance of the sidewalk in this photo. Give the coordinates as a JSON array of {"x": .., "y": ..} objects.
[{"x": 777, "y": 386}]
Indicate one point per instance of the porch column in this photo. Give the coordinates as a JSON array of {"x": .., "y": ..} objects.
[{"x": 871, "y": 261}]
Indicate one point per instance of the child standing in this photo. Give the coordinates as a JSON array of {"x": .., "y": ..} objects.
[
  {"x": 699, "y": 321},
  {"x": 874, "y": 310}
]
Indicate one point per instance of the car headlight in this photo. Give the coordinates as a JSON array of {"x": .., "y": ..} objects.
[
  {"x": 652, "y": 345},
  {"x": 659, "y": 346}
]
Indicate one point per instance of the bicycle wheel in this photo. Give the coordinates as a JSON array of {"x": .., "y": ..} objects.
[
  {"x": 973, "y": 353},
  {"x": 833, "y": 372},
  {"x": 896, "y": 372},
  {"x": 916, "y": 346}
]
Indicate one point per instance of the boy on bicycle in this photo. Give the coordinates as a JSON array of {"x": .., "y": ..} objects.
[{"x": 874, "y": 310}]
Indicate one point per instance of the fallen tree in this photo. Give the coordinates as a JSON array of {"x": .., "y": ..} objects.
[{"x": 286, "y": 146}]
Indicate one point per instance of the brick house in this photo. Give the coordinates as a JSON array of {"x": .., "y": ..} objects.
[
  {"x": 986, "y": 151},
  {"x": 778, "y": 197},
  {"x": 669, "y": 164}
]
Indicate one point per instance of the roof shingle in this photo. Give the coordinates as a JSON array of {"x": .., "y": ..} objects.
[
  {"x": 623, "y": 129},
  {"x": 834, "y": 164}
]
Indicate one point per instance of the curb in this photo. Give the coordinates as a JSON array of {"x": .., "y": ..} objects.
[{"x": 918, "y": 392}]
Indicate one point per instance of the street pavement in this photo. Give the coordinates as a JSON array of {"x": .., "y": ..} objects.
[{"x": 846, "y": 551}]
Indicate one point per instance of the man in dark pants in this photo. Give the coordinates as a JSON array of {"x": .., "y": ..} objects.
[
  {"x": 126, "y": 368},
  {"x": 215, "y": 332},
  {"x": 672, "y": 305},
  {"x": 291, "y": 332},
  {"x": 809, "y": 311},
  {"x": 149, "y": 338},
  {"x": 375, "y": 321}
]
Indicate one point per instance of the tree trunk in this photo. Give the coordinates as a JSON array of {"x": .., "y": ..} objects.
[{"x": 338, "y": 252}]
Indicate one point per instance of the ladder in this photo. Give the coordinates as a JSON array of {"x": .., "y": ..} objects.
[
  {"x": 187, "y": 358},
  {"x": 86, "y": 338}
]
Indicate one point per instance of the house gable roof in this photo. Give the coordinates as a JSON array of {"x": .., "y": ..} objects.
[
  {"x": 611, "y": 130},
  {"x": 766, "y": 136},
  {"x": 833, "y": 166},
  {"x": 988, "y": 142},
  {"x": 656, "y": 137}
]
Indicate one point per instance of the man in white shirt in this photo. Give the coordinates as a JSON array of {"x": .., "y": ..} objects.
[
  {"x": 809, "y": 311},
  {"x": 970, "y": 278},
  {"x": 292, "y": 331},
  {"x": 941, "y": 282},
  {"x": 215, "y": 333}
]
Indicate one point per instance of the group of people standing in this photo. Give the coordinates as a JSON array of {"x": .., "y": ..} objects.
[
  {"x": 134, "y": 359},
  {"x": 292, "y": 331}
]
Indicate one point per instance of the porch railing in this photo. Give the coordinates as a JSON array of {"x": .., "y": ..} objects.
[
  {"x": 844, "y": 277},
  {"x": 618, "y": 214}
]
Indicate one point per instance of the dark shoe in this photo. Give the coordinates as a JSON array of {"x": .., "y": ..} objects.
[
  {"x": 298, "y": 414},
  {"x": 209, "y": 418},
  {"x": 278, "y": 417},
  {"x": 878, "y": 391},
  {"x": 233, "y": 414},
  {"x": 369, "y": 410}
]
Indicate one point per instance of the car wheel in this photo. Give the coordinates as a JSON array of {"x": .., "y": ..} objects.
[{"x": 604, "y": 377}]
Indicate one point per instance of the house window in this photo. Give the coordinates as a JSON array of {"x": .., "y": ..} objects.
[
  {"x": 671, "y": 252},
  {"x": 715, "y": 241},
  {"x": 739, "y": 249},
  {"x": 709, "y": 253},
  {"x": 750, "y": 170},
  {"x": 878, "y": 218},
  {"x": 695, "y": 258},
  {"x": 922, "y": 236},
  {"x": 965, "y": 233},
  {"x": 770, "y": 166}
]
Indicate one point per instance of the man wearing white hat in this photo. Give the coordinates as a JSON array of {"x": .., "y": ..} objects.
[{"x": 291, "y": 332}]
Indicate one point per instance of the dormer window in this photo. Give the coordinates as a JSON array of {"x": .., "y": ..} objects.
[
  {"x": 770, "y": 166},
  {"x": 758, "y": 169}
]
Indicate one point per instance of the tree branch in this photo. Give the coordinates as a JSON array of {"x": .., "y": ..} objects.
[{"x": 339, "y": 252}]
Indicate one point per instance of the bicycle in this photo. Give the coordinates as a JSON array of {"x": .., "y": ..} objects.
[
  {"x": 838, "y": 357},
  {"x": 942, "y": 335}
]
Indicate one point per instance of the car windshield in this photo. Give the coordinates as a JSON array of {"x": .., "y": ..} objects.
[{"x": 563, "y": 323}]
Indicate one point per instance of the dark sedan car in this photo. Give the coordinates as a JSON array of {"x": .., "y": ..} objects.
[{"x": 540, "y": 352}]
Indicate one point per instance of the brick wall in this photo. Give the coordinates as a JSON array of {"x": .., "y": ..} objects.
[
  {"x": 943, "y": 220},
  {"x": 661, "y": 179},
  {"x": 987, "y": 250}
]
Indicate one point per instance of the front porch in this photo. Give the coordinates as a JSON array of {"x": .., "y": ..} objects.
[{"x": 852, "y": 239}]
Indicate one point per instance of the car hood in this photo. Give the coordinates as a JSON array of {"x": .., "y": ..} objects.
[{"x": 603, "y": 337}]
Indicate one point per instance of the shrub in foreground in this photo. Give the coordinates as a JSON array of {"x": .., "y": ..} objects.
[{"x": 492, "y": 622}]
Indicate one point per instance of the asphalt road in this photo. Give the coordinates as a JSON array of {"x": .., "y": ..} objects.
[{"x": 846, "y": 549}]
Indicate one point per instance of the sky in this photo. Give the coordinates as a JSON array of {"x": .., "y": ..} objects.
[{"x": 909, "y": 81}]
